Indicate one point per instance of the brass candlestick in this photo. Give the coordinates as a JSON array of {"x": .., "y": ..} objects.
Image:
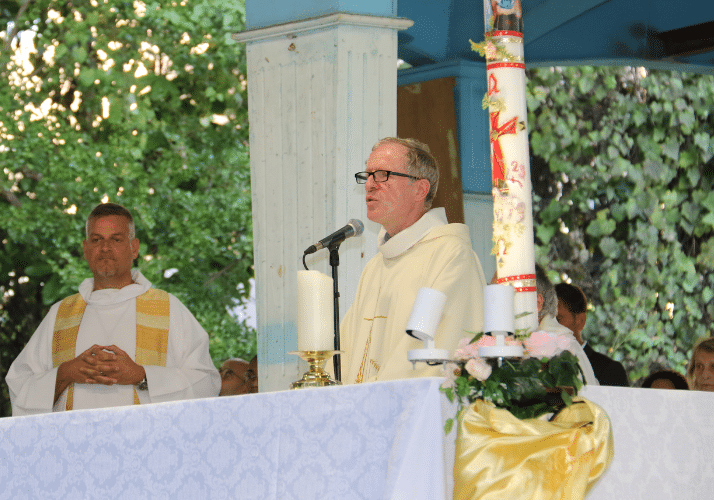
[{"x": 316, "y": 375}]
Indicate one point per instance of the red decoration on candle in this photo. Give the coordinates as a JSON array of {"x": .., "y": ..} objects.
[
  {"x": 497, "y": 164},
  {"x": 492, "y": 84},
  {"x": 516, "y": 277},
  {"x": 518, "y": 65},
  {"x": 503, "y": 33}
]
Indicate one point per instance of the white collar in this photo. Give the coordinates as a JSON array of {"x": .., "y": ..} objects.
[
  {"x": 396, "y": 245},
  {"x": 114, "y": 295}
]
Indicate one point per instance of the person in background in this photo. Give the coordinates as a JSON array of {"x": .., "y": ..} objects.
[
  {"x": 118, "y": 341},
  {"x": 700, "y": 372},
  {"x": 547, "y": 303},
  {"x": 665, "y": 379},
  {"x": 573, "y": 313},
  {"x": 238, "y": 377}
]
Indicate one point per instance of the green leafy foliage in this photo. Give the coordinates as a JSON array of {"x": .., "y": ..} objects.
[
  {"x": 138, "y": 103},
  {"x": 623, "y": 173},
  {"x": 528, "y": 388}
]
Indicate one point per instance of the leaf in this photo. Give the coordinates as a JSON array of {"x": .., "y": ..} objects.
[
  {"x": 448, "y": 425},
  {"x": 567, "y": 399},
  {"x": 609, "y": 247},
  {"x": 702, "y": 141},
  {"x": 38, "y": 269},
  {"x": 602, "y": 226},
  {"x": 687, "y": 120},
  {"x": 79, "y": 54},
  {"x": 670, "y": 148},
  {"x": 52, "y": 290},
  {"x": 545, "y": 233},
  {"x": 87, "y": 77}
]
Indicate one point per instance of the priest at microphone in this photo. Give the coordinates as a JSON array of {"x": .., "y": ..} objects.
[{"x": 417, "y": 248}]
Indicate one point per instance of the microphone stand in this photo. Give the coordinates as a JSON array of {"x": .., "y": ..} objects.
[{"x": 335, "y": 262}]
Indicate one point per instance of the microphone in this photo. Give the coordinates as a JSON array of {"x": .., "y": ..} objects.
[{"x": 353, "y": 228}]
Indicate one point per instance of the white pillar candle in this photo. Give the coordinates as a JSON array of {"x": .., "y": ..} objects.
[
  {"x": 315, "y": 304},
  {"x": 498, "y": 309}
]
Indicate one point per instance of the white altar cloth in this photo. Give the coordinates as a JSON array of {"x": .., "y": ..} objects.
[
  {"x": 372, "y": 441},
  {"x": 664, "y": 444}
]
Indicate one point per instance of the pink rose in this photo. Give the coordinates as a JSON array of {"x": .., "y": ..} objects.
[
  {"x": 486, "y": 340},
  {"x": 465, "y": 351},
  {"x": 478, "y": 369},
  {"x": 490, "y": 50},
  {"x": 541, "y": 345},
  {"x": 513, "y": 341}
]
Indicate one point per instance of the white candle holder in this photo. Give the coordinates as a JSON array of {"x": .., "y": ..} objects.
[{"x": 499, "y": 321}]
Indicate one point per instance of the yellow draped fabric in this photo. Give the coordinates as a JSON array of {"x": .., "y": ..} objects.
[
  {"x": 152, "y": 331},
  {"x": 500, "y": 457}
]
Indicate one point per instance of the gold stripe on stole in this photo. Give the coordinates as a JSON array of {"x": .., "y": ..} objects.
[
  {"x": 152, "y": 327},
  {"x": 64, "y": 339}
]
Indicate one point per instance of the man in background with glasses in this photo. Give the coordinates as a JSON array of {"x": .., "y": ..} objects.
[
  {"x": 238, "y": 377},
  {"x": 417, "y": 248}
]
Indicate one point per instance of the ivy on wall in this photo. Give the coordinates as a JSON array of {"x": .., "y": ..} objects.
[{"x": 622, "y": 174}]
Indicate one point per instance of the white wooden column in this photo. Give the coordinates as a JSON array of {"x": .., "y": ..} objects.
[{"x": 321, "y": 92}]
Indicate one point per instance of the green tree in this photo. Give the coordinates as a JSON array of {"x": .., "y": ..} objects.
[
  {"x": 622, "y": 175},
  {"x": 139, "y": 103}
]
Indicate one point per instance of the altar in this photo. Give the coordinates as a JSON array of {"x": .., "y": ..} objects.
[{"x": 373, "y": 441}]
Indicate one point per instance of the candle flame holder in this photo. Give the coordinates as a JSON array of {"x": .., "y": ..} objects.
[{"x": 316, "y": 375}]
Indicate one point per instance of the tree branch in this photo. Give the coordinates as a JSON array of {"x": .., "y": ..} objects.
[
  {"x": 16, "y": 24},
  {"x": 220, "y": 273}
]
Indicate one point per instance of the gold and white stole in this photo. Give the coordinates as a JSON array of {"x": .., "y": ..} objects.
[{"x": 152, "y": 331}]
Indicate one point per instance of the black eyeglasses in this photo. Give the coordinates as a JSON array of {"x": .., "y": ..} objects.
[{"x": 380, "y": 176}]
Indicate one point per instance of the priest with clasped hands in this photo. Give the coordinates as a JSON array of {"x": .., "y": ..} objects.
[
  {"x": 417, "y": 248},
  {"x": 118, "y": 341}
]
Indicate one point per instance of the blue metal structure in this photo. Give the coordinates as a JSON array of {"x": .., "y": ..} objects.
[
  {"x": 654, "y": 33},
  {"x": 673, "y": 34}
]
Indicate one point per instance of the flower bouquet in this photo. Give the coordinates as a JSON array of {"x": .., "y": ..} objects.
[
  {"x": 541, "y": 382},
  {"x": 503, "y": 450}
]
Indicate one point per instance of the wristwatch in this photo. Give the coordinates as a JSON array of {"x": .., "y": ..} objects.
[{"x": 143, "y": 385}]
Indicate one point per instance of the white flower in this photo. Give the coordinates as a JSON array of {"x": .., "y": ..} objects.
[
  {"x": 450, "y": 372},
  {"x": 478, "y": 369}
]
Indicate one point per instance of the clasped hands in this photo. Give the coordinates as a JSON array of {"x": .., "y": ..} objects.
[{"x": 106, "y": 365}]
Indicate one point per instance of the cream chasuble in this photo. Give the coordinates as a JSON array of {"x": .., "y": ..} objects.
[{"x": 430, "y": 253}]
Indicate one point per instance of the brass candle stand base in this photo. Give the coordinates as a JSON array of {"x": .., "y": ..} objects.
[{"x": 316, "y": 375}]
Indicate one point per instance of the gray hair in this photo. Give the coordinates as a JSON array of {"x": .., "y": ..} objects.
[
  {"x": 547, "y": 290},
  {"x": 419, "y": 163},
  {"x": 106, "y": 209}
]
